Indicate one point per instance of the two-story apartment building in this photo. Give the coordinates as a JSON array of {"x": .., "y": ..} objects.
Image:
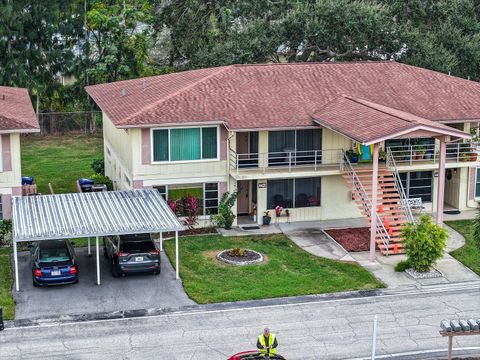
[
  {"x": 279, "y": 134},
  {"x": 16, "y": 117}
]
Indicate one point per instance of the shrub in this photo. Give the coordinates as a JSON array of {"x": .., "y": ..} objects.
[
  {"x": 98, "y": 166},
  {"x": 102, "y": 179},
  {"x": 425, "y": 243},
  {"x": 225, "y": 216},
  {"x": 402, "y": 266},
  {"x": 237, "y": 252},
  {"x": 190, "y": 207},
  {"x": 476, "y": 229},
  {"x": 5, "y": 232}
]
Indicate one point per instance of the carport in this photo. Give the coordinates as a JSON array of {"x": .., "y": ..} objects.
[{"x": 91, "y": 215}]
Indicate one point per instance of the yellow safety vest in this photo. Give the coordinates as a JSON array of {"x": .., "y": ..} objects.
[{"x": 271, "y": 340}]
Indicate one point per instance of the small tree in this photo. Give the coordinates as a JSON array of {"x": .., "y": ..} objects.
[
  {"x": 425, "y": 243},
  {"x": 225, "y": 216},
  {"x": 98, "y": 166},
  {"x": 476, "y": 229},
  {"x": 5, "y": 232}
]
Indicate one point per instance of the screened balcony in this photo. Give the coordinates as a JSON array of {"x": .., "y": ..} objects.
[{"x": 428, "y": 153}]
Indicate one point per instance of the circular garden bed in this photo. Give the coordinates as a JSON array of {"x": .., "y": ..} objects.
[{"x": 240, "y": 256}]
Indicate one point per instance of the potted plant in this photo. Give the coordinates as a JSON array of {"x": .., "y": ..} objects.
[
  {"x": 225, "y": 216},
  {"x": 352, "y": 156},
  {"x": 278, "y": 211},
  {"x": 382, "y": 155},
  {"x": 266, "y": 218},
  {"x": 473, "y": 156},
  {"x": 420, "y": 153}
]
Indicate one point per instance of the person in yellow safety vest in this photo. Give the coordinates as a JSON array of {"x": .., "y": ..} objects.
[{"x": 267, "y": 343}]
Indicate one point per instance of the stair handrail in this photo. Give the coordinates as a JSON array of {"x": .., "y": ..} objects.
[
  {"x": 347, "y": 167},
  {"x": 399, "y": 186}
]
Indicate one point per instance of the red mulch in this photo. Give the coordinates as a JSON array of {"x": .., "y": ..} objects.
[{"x": 352, "y": 239}]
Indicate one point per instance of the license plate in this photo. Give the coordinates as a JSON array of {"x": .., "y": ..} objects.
[
  {"x": 55, "y": 273},
  {"x": 139, "y": 258}
]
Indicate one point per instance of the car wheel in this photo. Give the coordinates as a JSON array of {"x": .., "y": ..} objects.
[
  {"x": 35, "y": 284},
  {"x": 105, "y": 253},
  {"x": 114, "y": 271},
  {"x": 156, "y": 272}
]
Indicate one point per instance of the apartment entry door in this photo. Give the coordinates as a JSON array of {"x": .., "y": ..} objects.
[{"x": 243, "y": 201}]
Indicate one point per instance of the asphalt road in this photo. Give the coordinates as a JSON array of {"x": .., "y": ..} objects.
[{"x": 334, "y": 329}]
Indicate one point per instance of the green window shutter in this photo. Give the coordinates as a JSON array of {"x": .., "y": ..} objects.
[
  {"x": 477, "y": 185},
  {"x": 160, "y": 145},
  {"x": 209, "y": 143},
  {"x": 185, "y": 144}
]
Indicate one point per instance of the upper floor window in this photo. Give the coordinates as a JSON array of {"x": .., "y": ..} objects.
[
  {"x": 185, "y": 144},
  {"x": 477, "y": 183}
]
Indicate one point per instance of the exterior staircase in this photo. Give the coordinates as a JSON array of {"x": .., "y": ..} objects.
[
  {"x": 392, "y": 207},
  {"x": 389, "y": 206}
]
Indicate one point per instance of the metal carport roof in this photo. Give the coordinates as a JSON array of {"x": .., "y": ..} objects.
[{"x": 45, "y": 217}]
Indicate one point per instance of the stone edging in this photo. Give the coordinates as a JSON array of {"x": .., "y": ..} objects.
[{"x": 240, "y": 262}]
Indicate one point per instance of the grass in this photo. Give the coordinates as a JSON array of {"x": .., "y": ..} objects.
[
  {"x": 60, "y": 160},
  {"x": 6, "y": 282},
  {"x": 289, "y": 270},
  {"x": 468, "y": 254}
]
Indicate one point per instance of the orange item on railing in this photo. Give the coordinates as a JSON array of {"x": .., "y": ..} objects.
[{"x": 380, "y": 209}]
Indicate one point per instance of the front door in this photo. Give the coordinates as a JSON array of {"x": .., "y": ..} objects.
[{"x": 243, "y": 203}]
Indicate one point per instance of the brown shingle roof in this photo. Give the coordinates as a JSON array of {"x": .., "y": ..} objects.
[
  {"x": 367, "y": 122},
  {"x": 283, "y": 95},
  {"x": 16, "y": 111}
]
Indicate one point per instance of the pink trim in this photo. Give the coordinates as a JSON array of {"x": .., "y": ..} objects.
[
  {"x": 7, "y": 206},
  {"x": 146, "y": 147},
  {"x": 441, "y": 180},
  {"x": 223, "y": 143},
  {"x": 373, "y": 210},
  {"x": 138, "y": 184},
  {"x": 6, "y": 153},
  {"x": 222, "y": 187},
  {"x": 17, "y": 191}
]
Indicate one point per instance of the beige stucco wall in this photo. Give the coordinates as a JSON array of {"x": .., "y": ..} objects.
[
  {"x": 9, "y": 179},
  {"x": 118, "y": 154}
]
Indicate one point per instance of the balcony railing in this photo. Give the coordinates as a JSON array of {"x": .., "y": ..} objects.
[
  {"x": 417, "y": 154},
  {"x": 309, "y": 159}
]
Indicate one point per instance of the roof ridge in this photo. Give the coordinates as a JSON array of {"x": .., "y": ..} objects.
[
  {"x": 305, "y": 63},
  {"x": 219, "y": 70}
]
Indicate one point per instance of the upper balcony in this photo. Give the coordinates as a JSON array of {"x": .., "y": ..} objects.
[
  {"x": 326, "y": 162},
  {"x": 288, "y": 161},
  {"x": 428, "y": 154}
]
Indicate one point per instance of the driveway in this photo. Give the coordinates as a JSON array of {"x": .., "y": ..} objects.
[{"x": 114, "y": 294}]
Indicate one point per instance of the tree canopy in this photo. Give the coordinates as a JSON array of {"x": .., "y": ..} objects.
[{"x": 96, "y": 41}]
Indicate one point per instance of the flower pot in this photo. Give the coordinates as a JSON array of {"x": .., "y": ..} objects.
[
  {"x": 473, "y": 157},
  {"x": 354, "y": 160},
  {"x": 266, "y": 220}
]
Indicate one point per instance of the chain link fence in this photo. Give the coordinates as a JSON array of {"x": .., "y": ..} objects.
[{"x": 57, "y": 123}]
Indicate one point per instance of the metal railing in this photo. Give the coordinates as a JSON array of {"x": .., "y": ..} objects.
[
  {"x": 312, "y": 159},
  {"x": 429, "y": 153},
  {"x": 399, "y": 186},
  {"x": 357, "y": 187}
]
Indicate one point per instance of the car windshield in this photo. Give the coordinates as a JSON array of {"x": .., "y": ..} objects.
[
  {"x": 133, "y": 247},
  {"x": 54, "y": 253}
]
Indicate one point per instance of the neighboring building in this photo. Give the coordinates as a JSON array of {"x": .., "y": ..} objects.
[
  {"x": 16, "y": 117},
  {"x": 278, "y": 132}
]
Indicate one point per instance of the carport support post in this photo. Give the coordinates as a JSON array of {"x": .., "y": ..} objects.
[
  {"x": 98, "y": 261},
  {"x": 15, "y": 260},
  {"x": 161, "y": 241},
  {"x": 177, "y": 265},
  {"x": 89, "y": 247}
]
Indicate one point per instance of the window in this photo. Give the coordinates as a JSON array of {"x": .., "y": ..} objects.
[
  {"x": 210, "y": 198},
  {"x": 185, "y": 144},
  {"x": 162, "y": 190},
  {"x": 418, "y": 184},
  {"x": 206, "y": 195},
  {"x": 477, "y": 183},
  {"x": 293, "y": 193},
  {"x": 302, "y": 143},
  {"x": 1, "y": 207}
]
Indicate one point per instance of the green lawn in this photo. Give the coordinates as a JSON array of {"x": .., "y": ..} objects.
[
  {"x": 60, "y": 160},
  {"x": 289, "y": 270},
  {"x": 469, "y": 254},
  {"x": 6, "y": 281}
]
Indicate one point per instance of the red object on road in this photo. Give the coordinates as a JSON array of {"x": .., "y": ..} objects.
[{"x": 253, "y": 355}]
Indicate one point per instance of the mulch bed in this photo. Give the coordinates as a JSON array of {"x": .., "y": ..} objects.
[
  {"x": 197, "y": 231},
  {"x": 352, "y": 239}
]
